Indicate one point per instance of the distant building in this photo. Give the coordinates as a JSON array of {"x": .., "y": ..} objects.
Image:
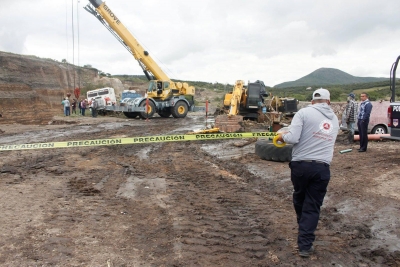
[{"x": 309, "y": 88}]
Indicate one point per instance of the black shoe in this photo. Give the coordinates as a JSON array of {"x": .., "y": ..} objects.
[
  {"x": 306, "y": 253},
  {"x": 362, "y": 150}
]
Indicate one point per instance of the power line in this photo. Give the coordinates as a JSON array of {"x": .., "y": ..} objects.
[
  {"x": 77, "y": 18},
  {"x": 73, "y": 41},
  {"x": 66, "y": 35}
]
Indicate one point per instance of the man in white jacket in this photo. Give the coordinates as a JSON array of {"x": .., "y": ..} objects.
[{"x": 313, "y": 133}]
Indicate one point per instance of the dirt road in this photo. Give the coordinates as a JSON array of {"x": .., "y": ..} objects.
[{"x": 201, "y": 203}]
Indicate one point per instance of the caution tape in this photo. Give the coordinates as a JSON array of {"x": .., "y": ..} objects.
[{"x": 135, "y": 140}]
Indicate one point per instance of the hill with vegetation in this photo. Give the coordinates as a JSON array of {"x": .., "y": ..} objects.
[
  {"x": 377, "y": 88},
  {"x": 328, "y": 76},
  {"x": 339, "y": 92}
]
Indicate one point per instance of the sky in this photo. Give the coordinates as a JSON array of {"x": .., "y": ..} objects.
[{"x": 213, "y": 40}]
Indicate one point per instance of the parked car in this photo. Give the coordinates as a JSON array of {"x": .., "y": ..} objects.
[{"x": 377, "y": 121}]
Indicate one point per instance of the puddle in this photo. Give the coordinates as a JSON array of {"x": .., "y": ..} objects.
[
  {"x": 45, "y": 135},
  {"x": 227, "y": 150},
  {"x": 50, "y": 134},
  {"x": 385, "y": 223},
  {"x": 144, "y": 153},
  {"x": 199, "y": 123},
  {"x": 114, "y": 125},
  {"x": 135, "y": 187},
  {"x": 385, "y": 227}
]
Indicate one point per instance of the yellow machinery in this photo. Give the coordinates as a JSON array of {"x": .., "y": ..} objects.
[
  {"x": 166, "y": 97},
  {"x": 248, "y": 102},
  {"x": 244, "y": 102},
  {"x": 234, "y": 98}
]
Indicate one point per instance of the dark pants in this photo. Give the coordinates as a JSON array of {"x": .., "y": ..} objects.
[
  {"x": 83, "y": 112},
  {"x": 310, "y": 181},
  {"x": 363, "y": 132}
]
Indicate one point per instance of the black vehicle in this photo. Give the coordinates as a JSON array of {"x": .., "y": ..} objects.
[{"x": 394, "y": 108}]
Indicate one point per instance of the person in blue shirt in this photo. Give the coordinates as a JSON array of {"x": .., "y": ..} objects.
[{"x": 363, "y": 119}]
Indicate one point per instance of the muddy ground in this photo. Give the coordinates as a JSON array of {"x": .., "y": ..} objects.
[{"x": 200, "y": 203}]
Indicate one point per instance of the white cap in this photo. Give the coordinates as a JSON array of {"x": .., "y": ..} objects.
[{"x": 321, "y": 93}]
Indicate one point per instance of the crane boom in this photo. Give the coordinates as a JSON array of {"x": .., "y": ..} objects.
[{"x": 108, "y": 18}]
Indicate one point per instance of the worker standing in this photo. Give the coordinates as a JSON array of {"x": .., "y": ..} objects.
[
  {"x": 351, "y": 116},
  {"x": 93, "y": 106},
  {"x": 313, "y": 133},
  {"x": 363, "y": 120},
  {"x": 83, "y": 107},
  {"x": 67, "y": 109}
]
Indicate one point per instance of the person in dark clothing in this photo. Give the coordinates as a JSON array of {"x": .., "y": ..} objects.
[
  {"x": 80, "y": 107},
  {"x": 73, "y": 105},
  {"x": 363, "y": 120},
  {"x": 313, "y": 133},
  {"x": 94, "y": 107}
]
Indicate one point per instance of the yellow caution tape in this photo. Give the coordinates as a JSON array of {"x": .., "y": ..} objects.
[
  {"x": 135, "y": 140},
  {"x": 275, "y": 142}
]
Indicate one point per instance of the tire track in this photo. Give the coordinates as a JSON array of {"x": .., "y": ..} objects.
[{"x": 219, "y": 219}]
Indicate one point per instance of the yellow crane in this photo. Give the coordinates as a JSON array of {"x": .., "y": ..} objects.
[{"x": 165, "y": 96}]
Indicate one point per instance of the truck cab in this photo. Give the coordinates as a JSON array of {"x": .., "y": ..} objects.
[
  {"x": 393, "y": 111},
  {"x": 393, "y": 120}
]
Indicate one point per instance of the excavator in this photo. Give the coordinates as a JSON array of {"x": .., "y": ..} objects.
[
  {"x": 164, "y": 96},
  {"x": 250, "y": 103},
  {"x": 244, "y": 102}
]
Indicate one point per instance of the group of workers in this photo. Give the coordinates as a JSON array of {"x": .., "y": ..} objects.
[
  {"x": 83, "y": 105},
  {"x": 361, "y": 116}
]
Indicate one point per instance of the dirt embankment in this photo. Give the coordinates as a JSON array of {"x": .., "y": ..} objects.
[{"x": 31, "y": 88}]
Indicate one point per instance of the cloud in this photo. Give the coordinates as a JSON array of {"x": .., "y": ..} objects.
[
  {"x": 323, "y": 51},
  {"x": 222, "y": 40}
]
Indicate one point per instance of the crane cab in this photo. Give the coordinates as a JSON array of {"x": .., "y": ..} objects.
[{"x": 159, "y": 89}]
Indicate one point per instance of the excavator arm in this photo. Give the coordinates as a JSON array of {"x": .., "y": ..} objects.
[{"x": 233, "y": 99}]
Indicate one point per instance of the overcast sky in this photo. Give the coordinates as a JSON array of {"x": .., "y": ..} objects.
[{"x": 213, "y": 40}]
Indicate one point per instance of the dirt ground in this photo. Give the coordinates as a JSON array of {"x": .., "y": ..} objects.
[{"x": 200, "y": 203}]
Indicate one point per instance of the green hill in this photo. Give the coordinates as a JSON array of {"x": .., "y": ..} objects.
[
  {"x": 338, "y": 82},
  {"x": 328, "y": 76}
]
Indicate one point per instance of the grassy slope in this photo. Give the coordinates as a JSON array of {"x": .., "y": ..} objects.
[{"x": 214, "y": 92}]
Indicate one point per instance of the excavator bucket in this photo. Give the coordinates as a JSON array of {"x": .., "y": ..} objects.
[{"x": 229, "y": 123}]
